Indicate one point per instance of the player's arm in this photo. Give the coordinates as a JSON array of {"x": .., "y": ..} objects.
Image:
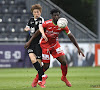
[
  {"x": 27, "y": 28},
  {"x": 32, "y": 38},
  {"x": 72, "y": 38},
  {"x": 42, "y": 32}
]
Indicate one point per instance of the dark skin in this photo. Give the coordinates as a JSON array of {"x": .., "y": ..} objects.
[
  {"x": 32, "y": 38},
  {"x": 61, "y": 59}
]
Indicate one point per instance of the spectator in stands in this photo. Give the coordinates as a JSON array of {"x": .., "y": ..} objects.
[
  {"x": 90, "y": 56},
  {"x": 75, "y": 56},
  {"x": 81, "y": 60},
  {"x": 68, "y": 56}
]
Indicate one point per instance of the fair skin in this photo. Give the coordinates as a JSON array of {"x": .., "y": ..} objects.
[
  {"x": 43, "y": 34},
  {"x": 36, "y": 14}
]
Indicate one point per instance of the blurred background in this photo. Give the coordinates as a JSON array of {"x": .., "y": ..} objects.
[{"x": 83, "y": 20}]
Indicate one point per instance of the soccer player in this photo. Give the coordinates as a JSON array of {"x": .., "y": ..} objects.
[
  {"x": 50, "y": 44},
  {"x": 34, "y": 50}
]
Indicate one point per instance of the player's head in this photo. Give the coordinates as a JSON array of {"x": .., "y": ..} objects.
[
  {"x": 55, "y": 14},
  {"x": 36, "y": 10}
]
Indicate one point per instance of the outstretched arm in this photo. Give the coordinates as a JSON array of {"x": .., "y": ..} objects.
[
  {"x": 33, "y": 36},
  {"x": 72, "y": 38}
]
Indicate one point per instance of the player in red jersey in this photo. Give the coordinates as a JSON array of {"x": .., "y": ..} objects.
[{"x": 50, "y": 44}]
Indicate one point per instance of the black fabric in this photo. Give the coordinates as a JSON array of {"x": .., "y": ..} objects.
[
  {"x": 34, "y": 26},
  {"x": 36, "y": 49},
  {"x": 39, "y": 69},
  {"x": 36, "y": 40}
]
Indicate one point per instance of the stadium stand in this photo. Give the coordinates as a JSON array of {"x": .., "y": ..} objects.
[
  {"x": 14, "y": 14},
  {"x": 13, "y": 18}
]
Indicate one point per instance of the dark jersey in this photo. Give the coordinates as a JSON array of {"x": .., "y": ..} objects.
[{"x": 33, "y": 24}]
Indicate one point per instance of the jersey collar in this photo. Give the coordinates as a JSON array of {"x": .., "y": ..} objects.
[
  {"x": 36, "y": 18},
  {"x": 54, "y": 23}
]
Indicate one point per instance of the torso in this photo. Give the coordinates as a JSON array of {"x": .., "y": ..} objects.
[
  {"x": 52, "y": 32},
  {"x": 34, "y": 26}
]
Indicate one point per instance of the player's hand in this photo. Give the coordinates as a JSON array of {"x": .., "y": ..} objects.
[
  {"x": 26, "y": 28},
  {"x": 44, "y": 36},
  {"x": 27, "y": 45},
  {"x": 80, "y": 52}
]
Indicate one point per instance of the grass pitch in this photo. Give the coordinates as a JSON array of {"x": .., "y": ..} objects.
[{"x": 82, "y": 78}]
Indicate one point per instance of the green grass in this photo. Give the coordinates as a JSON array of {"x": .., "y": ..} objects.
[{"x": 21, "y": 79}]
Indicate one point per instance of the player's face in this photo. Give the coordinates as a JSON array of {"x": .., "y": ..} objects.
[
  {"x": 56, "y": 16},
  {"x": 36, "y": 13}
]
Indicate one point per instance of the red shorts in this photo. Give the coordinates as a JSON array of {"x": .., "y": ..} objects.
[{"x": 55, "y": 51}]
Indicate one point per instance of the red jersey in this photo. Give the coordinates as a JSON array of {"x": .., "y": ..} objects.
[{"x": 51, "y": 31}]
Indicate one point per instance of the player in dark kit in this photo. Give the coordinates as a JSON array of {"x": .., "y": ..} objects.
[
  {"x": 50, "y": 44},
  {"x": 34, "y": 50}
]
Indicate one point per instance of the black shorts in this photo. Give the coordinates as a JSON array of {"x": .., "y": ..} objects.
[{"x": 36, "y": 49}]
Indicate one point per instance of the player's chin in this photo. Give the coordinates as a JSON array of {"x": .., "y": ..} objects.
[{"x": 37, "y": 16}]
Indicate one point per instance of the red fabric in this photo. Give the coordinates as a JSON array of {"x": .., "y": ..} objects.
[
  {"x": 51, "y": 31},
  {"x": 44, "y": 70},
  {"x": 64, "y": 69},
  {"x": 55, "y": 51},
  {"x": 37, "y": 76}
]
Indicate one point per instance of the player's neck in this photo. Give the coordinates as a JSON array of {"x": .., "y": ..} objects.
[{"x": 54, "y": 22}]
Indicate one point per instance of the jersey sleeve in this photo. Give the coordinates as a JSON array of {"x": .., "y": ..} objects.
[
  {"x": 66, "y": 30},
  {"x": 44, "y": 25},
  {"x": 28, "y": 24},
  {"x": 41, "y": 21}
]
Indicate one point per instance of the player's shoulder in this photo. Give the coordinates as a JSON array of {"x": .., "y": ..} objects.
[
  {"x": 66, "y": 28},
  {"x": 48, "y": 21},
  {"x": 31, "y": 18},
  {"x": 41, "y": 18}
]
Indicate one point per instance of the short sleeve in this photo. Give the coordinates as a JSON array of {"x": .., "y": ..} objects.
[
  {"x": 44, "y": 25},
  {"x": 41, "y": 21},
  {"x": 28, "y": 24},
  {"x": 67, "y": 31}
]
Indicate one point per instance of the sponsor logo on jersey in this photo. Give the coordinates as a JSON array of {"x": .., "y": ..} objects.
[
  {"x": 51, "y": 32},
  {"x": 36, "y": 22},
  {"x": 31, "y": 22},
  {"x": 59, "y": 29},
  {"x": 50, "y": 28},
  {"x": 48, "y": 22},
  {"x": 32, "y": 30}
]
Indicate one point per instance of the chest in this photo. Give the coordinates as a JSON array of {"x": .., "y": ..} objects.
[
  {"x": 53, "y": 28},
  {"x": 34, "y": 23}
]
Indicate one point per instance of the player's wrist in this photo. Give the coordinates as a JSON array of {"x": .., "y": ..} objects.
[{"x": 43, "y": 34}]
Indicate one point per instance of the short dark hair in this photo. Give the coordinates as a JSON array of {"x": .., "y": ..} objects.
[{"x": 54, "y": 11}]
